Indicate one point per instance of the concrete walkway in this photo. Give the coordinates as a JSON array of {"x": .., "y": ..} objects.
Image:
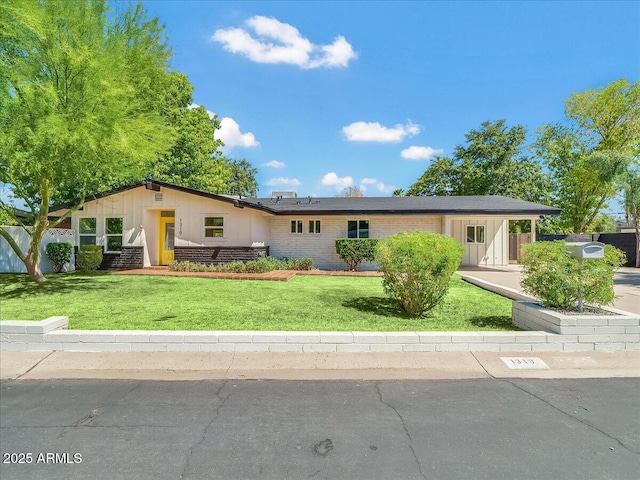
[
  {"x": 626, "y": 280},
  {"x": 315, "y": 366}
]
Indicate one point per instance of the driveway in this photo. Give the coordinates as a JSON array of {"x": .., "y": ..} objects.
[{"x": 626, "y": 282}]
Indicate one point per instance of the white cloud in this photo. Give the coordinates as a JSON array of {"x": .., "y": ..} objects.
[
  {"x": 229, "y": 132},
  {"x": 209, "y": 112},
  {"x": 420, "y": 153},
  {"x": 275, "y": 164},
  {"x": 382, "y": 188},
  {"x": 333, "y": 180},
  {"x": 374, "y": 132},
  {"x": 277, "y": 42},
  {"x": 290, "y": 182}
]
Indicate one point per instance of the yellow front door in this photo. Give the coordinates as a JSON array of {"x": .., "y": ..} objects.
[{"x": 167, "y": 236}]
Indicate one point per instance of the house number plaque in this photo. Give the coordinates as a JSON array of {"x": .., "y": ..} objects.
[{"x": 524, "y": 362}]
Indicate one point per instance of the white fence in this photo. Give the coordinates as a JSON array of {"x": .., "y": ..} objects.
[{"x": 9, "y": 261}]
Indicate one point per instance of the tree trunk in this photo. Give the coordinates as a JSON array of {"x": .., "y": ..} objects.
[{"x": 33, "y": 269}]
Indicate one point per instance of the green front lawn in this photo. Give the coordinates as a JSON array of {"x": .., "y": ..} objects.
[{"x": 102, "y": 301}]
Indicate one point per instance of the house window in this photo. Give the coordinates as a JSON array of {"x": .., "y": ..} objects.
[
  {"x": 475, "y": 233},
  {"x": 358, "y": 229},
  {"x": 113, "y": 232},
  {"x": 87, "y": 231},
  {"x": 296, "y": 226},
  {"x": 213, "y": 227},
  {"x": 314, "y": 226}
]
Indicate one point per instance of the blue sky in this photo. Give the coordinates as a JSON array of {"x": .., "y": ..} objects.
[{"x": 323, "y": 95}]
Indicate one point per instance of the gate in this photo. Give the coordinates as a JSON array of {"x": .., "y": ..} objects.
[{"x": 516, "y": 240}]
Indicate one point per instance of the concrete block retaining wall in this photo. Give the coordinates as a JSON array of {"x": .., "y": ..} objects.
[
  {"x": 51, "y": 334},
  {"x": 619, "y": 330}
]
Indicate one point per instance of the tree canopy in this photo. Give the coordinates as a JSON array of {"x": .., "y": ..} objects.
[
  {"x": 242, "y": 179},
  {"x": 589, "y": 152},
  {"x": 79, "y": 102},
  {"x": 491, "y": 162}
]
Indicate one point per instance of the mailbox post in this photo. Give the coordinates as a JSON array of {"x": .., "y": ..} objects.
[{"x": 584, "y": 251}]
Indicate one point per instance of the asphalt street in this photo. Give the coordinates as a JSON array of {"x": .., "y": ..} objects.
[{"x": 430, "y": 429}]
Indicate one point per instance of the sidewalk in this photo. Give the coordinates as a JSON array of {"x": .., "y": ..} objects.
[
  {"x": 626, "y": 282},
  {"x": 178, "y": 366}
]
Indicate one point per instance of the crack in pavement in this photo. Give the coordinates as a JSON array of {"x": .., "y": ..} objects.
[
  {"x": 87, "y": 420},
  {"x": 206, "y": 429},
  {"x": 406, "y": 431},
  {"x": 326, "y": 474},
  {"x": 547, "y": 402},
  {"x": 34, "y": 366},
  {"x": 579, "y": 420}
]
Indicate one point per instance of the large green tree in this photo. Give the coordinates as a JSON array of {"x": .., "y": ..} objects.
[
  {"x": 491, "y": 163},
  {"x": 588, "y": 152},
  {"x": 194, "y": 159},
  {"x": 242, "y": 179},
  {"x": 632, "y": 202},
  {"x": 79, "y": 102}
]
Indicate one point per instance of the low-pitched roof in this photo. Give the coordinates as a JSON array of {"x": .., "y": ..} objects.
[{"x": 452, "y": 205}]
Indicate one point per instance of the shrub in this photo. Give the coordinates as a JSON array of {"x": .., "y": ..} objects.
[
  {"x": 355, "y": 250},
  {"x": 261, "y": 265},
  {"x": 417, "y": 268},
  {"x": 301, "y": 264},
  {"x": 551, "y": 274},
  {"x": 59, "y": 254},
  {"x": 89, "y": 257}
]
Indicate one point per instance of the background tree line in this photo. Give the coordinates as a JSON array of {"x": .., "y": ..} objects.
[{"x": 579, "y": 164}]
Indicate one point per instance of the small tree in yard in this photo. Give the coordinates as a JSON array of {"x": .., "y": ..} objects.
[
  {"x": 356, "y": 250},
  {"x": 59, "y": 254},
  {"x": 417, "y": 267},
  {"x": 551, "y": 274}
]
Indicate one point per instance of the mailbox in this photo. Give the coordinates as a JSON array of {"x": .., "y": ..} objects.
[{"x": 586, "y": 250}]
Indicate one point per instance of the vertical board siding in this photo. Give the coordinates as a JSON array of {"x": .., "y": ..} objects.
[{"x": 494, "y": 252}]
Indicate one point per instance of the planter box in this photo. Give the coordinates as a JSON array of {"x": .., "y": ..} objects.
[{"x": 617, "y": 326}]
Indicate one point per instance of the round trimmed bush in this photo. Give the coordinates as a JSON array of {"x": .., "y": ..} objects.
[
  {"x": 89, "y": 257},
  {"x": 417, "y": 267},
  {"x": 59, "y": 254}
]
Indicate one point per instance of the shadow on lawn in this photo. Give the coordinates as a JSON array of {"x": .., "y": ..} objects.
[
  {"x": 501, "y": 322},
  {"x": 21, "y": 286},
  {"x": 378, "y": 306}
]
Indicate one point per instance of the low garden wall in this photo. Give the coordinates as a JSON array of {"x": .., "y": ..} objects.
[
  {"x": 216, "y": 255},
  {"x": 51, "y": 334}
]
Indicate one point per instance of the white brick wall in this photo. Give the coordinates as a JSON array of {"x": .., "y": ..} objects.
[
  {"x": 51, "y": 334},
  {"x": 321, "y": 247}
]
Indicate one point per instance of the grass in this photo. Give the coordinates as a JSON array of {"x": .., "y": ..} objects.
[{"x": 102, "y": 301}]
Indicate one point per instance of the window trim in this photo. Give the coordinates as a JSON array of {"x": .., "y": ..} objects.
[
  {"x": 107, "y": 235},
  {"x": 213, "y": 227},
  {"x": 94, "y": 235},
  {"x": 314, "y": 227},
  {"x": 358, "y": 220},
  {"x": 476, "y": 229},
  {"x": 296, "y": 227}
]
